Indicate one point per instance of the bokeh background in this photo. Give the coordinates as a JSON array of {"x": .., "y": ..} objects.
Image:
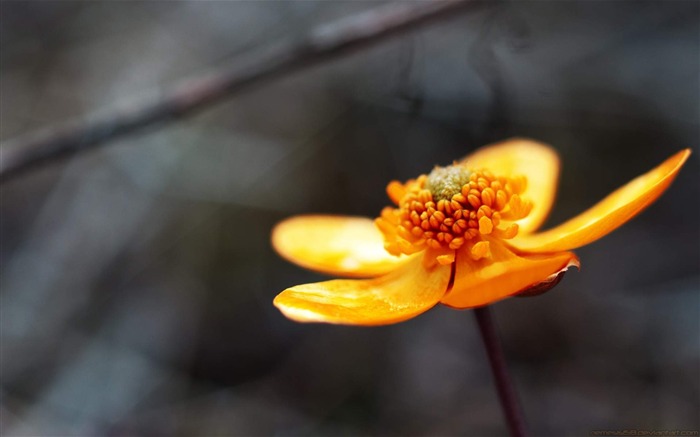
[{"x": 137, "y": 279}]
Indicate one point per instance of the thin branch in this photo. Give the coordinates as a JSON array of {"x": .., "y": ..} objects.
[
  {"x": 506, "y": 391},
  {"x": 321, "y": 44}
]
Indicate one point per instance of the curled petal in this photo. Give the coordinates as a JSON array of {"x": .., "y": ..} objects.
[
  {"x": 544, "y": 286},
  {"x": 410, "y": 290},
  {"x": 538, "y": 162},
  {"x": 346, "y": 246},
  {"x": 609, "y": 214},
  {"x": 484, "y": 281}
]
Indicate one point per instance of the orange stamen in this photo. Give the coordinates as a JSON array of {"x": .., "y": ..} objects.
[
  {"x": 482, "y": 249},
  {"x": 451, "y": 207}
]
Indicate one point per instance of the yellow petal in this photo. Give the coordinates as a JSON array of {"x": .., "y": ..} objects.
[
  {"x": 346, "y": 246},
  {"x": 609, "y": 214},
  {"x": 503, "y": 274},
  {"x": 538, "y": 162},
  {"x": 398, "y": 296}
]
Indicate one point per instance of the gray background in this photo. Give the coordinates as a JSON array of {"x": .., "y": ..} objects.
[{"x": 137, "y": 279}]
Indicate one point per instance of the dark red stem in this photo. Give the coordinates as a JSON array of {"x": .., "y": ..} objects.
[{"x": 504, "y": 385}]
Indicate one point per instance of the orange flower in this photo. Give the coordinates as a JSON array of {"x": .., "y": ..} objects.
[{"x": 461, "y": 235}]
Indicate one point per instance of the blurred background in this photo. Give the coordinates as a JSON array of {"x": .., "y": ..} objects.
[{"x": 137, "y": 279}]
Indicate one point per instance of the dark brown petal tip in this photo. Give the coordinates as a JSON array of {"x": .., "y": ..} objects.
[{"x": 542, "y": 287}]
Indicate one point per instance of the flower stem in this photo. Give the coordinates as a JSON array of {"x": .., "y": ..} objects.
[{"x": 504, "y": 385}]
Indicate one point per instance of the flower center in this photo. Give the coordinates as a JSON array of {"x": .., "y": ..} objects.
[
  {"x": 452, "y": 207},
  {"x": 445, "y": 182}
]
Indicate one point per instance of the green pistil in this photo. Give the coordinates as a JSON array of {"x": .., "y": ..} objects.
[{"x": 445, "y": 182}]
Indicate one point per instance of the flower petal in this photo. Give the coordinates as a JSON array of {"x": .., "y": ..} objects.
[
  {"x": 503, "y": 274},
  {"x": 538, "y": 162},
  {"x": 410, "y": 290},
  {"x": 347, "y": 246},
  {"x": 608, "y": 214}
]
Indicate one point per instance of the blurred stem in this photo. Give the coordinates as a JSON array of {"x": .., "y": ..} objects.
[{"x": 504, "y": 385}]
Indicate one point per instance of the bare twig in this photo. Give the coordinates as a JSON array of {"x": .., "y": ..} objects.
[{"x": 321, "y": 44}]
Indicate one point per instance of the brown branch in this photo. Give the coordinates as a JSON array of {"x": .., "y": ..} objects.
[{"x": 323, "y": 43}]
